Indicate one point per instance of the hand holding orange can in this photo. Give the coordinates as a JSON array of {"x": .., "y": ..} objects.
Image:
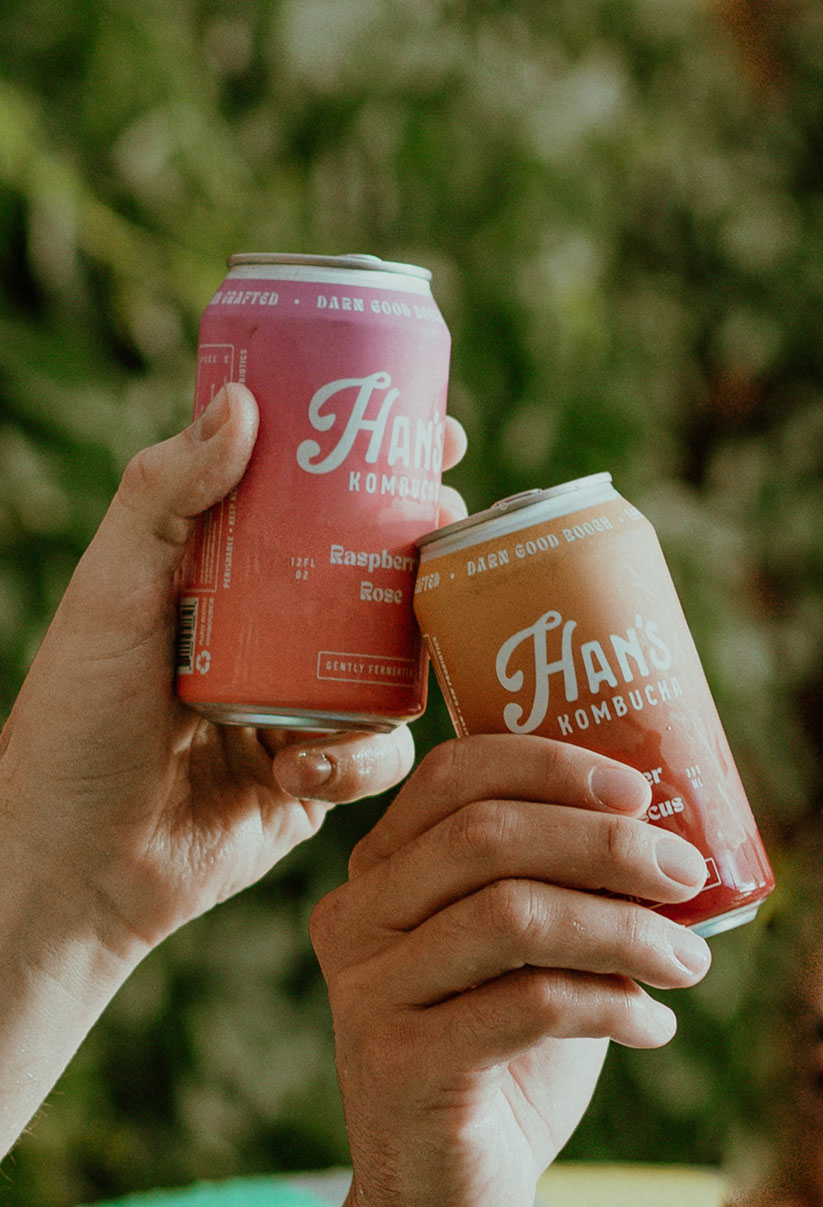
[{"x": 554, "y": 613}]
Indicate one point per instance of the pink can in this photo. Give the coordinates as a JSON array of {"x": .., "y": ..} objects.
[{"x": 296, "y": 598}]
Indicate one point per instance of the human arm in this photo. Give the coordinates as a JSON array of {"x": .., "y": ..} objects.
[
  {"x": 477, "y": 965},
  {"x": 123, "y": 813}
]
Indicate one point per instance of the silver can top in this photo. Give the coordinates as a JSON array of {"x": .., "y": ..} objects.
[
  {"x": 350, "y": 260},
  {"x": 519, "y": 511}
]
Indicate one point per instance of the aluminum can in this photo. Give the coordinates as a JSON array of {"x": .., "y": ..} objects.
[
  {"x": 554, "y": 613},
  {"x": 296, "y": 606}
]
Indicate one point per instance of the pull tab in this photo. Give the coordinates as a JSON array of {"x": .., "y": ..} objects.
[{"x": 518, "y": 500}]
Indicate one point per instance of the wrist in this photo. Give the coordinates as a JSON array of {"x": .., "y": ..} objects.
[
  {"x": 52, "y": 942},
  {"x": 54, "y": 921},
  {"x": 55, "y": 929}
]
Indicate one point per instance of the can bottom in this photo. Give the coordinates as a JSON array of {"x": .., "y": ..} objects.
[
  {"x": 735, "y": 917},
  {"x": 263, "y": 718}
]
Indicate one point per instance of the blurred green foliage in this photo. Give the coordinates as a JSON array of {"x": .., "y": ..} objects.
[{"x": 621, "y": 204}]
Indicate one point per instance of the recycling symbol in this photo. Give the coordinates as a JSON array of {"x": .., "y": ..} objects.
[{"x": 203, "y": 661}]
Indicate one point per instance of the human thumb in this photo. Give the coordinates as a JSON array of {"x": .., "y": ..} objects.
[
  {"x": 166, "y": 486},
  {"x": 127, "y": 573},
  {"x": 115, "y": 624}
]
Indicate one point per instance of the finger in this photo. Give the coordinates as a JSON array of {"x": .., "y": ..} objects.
[
  {"x": 452, "y": 507},
  {"x": 489, "y": 841},
  {"x": 500, "y": 766},
  {"x": 165, "y": 487},
  {"x": 455, "y": 442},
  {"x": 515, "y": 923},
  {"x": 345, "y": 767},
  {"x": 502, "y": 1019}
]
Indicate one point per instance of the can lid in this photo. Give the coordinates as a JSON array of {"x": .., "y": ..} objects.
[
  {"x": 514, "y": 503},
  {"x": 350, "y": 260}
]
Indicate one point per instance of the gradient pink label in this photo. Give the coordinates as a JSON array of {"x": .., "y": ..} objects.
[{"x": 297, "y": 592}]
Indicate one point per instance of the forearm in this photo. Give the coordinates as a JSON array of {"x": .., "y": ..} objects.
[{"x": 56, "y": 976}]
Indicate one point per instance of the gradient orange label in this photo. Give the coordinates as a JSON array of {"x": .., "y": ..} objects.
[{"x": 572, "y": 629}]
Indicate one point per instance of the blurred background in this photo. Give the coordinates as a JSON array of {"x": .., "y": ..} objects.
[{"x": 621, "y": 204}]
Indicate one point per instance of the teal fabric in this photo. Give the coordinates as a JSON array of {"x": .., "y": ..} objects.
[{"x": 240, "y": 1192}]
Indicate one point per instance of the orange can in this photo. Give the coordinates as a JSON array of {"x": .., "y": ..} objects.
[{"x": 554, "y": 613}]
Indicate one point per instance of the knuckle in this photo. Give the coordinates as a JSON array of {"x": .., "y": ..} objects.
[
  {"x": 569, "y": 1004},
  {"x": 637, "y": 932},
  {"x": 620, "y": 840},
  {"x": 148, "y": 495},
  {"x": 557, "y": 999},
  {"x": 474, "y": 1019},
  {"x": 511, "y": 908},
  {"x": 553, "y": 999},
  {"x": 325, "y": 922},
  {"x": 479, "y": 831},
  {"x": 140, "y": 474},
  {"x": 445, "y": 764},
  {"x": 539, "y": 993},
  {"x": 362, "y": 856},
  {"x": 562, "y": 767},
  {"x": 624, "y": 1004}
]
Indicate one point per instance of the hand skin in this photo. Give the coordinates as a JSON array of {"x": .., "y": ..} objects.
[
  {"x": 123, "y": 814},
  {"x": 476, "y": 972}
]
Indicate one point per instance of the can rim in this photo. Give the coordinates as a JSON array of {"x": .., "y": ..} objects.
[
  {"x": 354, "y": 260},
  {"x": 517, "y": 502}
]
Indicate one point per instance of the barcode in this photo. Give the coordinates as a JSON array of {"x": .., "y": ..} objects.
[{"x": 186, "y": 632}]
